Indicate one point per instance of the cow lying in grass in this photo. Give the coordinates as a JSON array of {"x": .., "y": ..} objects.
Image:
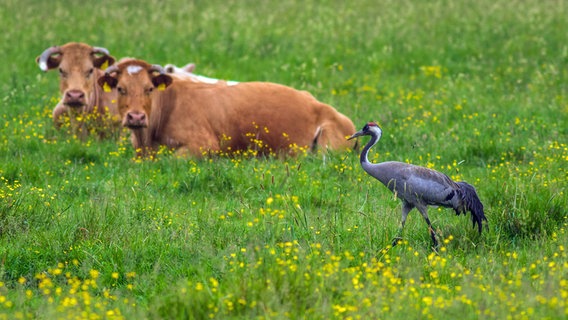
[
  {"x": 88, "y": 106},
  {"x": 199, "y": 118},
  {"x": 86, "y": 103}
]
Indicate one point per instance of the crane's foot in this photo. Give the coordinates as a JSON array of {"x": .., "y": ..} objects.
[
  {"x": 433, "y": 235},
  {"x": 396, "y": 241}
]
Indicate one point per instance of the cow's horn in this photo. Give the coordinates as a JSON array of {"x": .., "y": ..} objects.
[
  {"x": 156, "y": 68},
  {"x": 101, "y": 50},
  {"x": 42, "y": 60},
  {"x": 111, "y": 69}
]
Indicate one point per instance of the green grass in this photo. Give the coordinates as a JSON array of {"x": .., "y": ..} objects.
[{"x": 477, "y": 90}]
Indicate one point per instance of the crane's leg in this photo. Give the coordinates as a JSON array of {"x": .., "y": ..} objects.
[
  {"x": 424, "y": 211},
  {"x": 406, "y": 207}
]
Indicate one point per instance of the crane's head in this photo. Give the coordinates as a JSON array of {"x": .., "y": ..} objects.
[{"x": 370, "y": 129}]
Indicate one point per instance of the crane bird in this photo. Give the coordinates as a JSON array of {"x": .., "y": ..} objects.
[{"x": 420, "y": 187}]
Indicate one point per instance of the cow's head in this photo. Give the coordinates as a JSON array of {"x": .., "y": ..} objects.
[
  {"x": 76, "y": 63},
  {"x": 187, "y": 69},
  {"x": 136, "y": 82}
]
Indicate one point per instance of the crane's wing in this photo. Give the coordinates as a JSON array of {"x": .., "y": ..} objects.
[
  {"x": 415, "y": 183},
  {"x": 433, "y": 187}
]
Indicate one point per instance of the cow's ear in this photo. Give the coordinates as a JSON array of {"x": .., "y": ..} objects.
[
  {"x": 104, "y": 61},
  {"x": 107, "y": 82},
  {"x": 50, "y": 62},
  {"x": 190, "y": 67},
  {"x": 161, "y": 81}
]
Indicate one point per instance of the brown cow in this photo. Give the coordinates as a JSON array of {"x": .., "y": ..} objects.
[
  {"x": 199, "y": 118},
  {"x": 80, "y": 65}
]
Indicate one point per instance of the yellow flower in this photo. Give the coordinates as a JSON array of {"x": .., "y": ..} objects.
[{"x": 94, "y": 274}]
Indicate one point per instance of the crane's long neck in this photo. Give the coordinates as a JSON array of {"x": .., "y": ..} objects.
[{"x": 365, "y": 153}]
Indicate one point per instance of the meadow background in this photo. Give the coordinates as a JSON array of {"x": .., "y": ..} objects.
[{"x": 476, "y": 89}]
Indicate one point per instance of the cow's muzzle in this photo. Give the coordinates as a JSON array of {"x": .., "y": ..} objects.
[
  {"x": 135, "y": 120},
  {"x": 74, "y": 98}
]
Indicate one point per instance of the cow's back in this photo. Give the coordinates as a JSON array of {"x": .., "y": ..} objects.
[
  {"x": 317, "y": 124},
  {"x": 252, "y": 115}
]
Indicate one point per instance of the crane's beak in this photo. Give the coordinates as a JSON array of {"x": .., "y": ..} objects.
[{"x": 356, "y": 134}]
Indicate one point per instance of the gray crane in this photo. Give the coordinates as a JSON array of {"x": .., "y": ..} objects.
[{"x": 420, "y": 187}]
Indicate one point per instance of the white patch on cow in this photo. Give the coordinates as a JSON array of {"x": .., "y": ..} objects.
[
  {"x": 172, "y": 69},
  {"x": 43, "y": 66},
  {"x": 205, "y": 79},
  {"x": 133, "y": 69}
]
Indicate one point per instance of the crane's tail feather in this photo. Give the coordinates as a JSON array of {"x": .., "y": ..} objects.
[{"x": 472, "y": 204}]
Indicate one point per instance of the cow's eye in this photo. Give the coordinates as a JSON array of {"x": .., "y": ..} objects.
[
  {"x": 149, "y": 90},
  {"x": 62, "y": 73},
  {"x": 89, "y": 73},
  {"x": 121, "y": 91}
]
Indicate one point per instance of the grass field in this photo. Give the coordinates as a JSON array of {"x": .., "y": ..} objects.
[{"x": 476, "y": 89}]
